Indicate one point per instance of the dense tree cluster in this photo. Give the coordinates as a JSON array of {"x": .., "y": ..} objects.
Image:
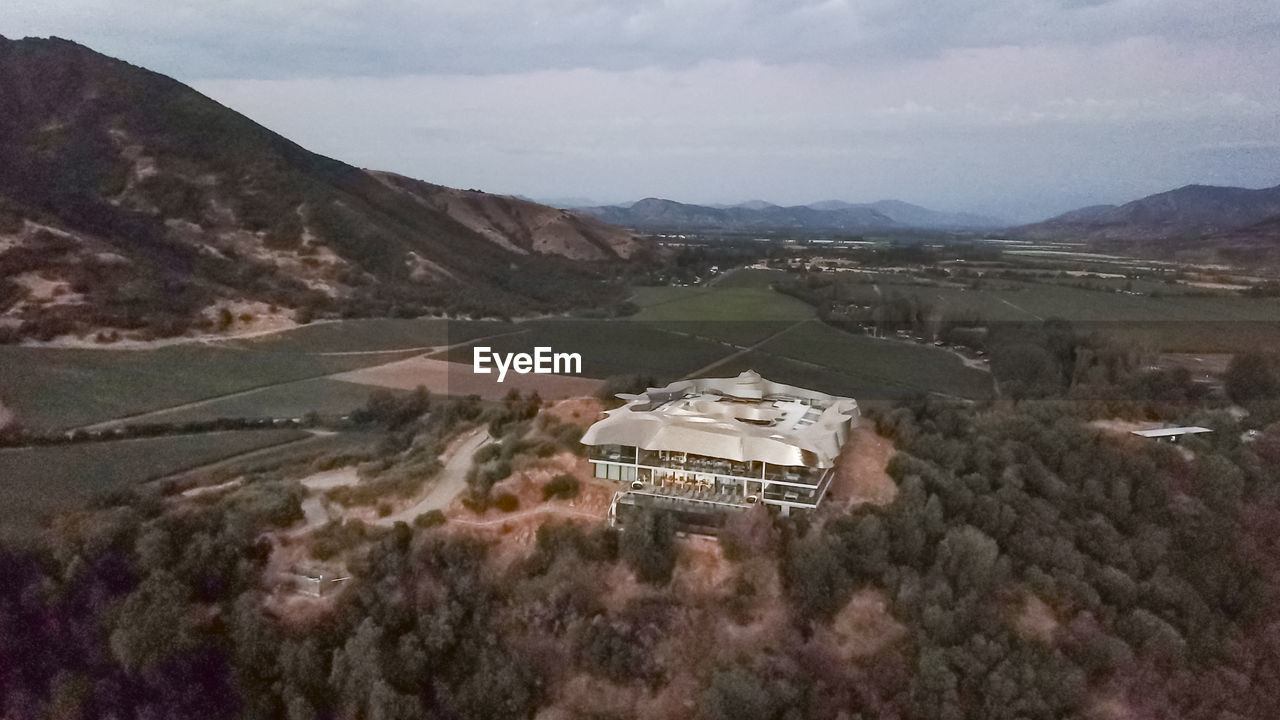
[{"x": 1035, "y": 565}]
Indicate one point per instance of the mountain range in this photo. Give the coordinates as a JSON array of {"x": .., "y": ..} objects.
[
  {"x": 1187, "y": 214},
  {"x": 656, "y": 214},
  {"x": 129, "y": 200}
]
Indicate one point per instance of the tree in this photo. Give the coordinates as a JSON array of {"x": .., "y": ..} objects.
[
  {"x": 1252, "y": 376},
  {"x": 648, "y": 545}
]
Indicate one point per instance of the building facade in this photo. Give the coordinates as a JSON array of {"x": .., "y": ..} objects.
[{"x": 702, "y": 448}]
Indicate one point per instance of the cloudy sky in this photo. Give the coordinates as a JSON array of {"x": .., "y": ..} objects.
[{"x": 1020, "y": 108}]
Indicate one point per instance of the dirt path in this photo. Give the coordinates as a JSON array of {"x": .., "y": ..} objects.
[
  {"x": 448, "y": 483},
  {"x": 1020, "y": 309},
  {"x": 742, "y": 350}
]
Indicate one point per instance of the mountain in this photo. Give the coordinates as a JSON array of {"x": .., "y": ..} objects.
[
  {"x": 910, "y": 215},
  {"x": 130, "y": 201},
  {"x": 1190, "y": 212},
  {"x": 656, "y": 214}
]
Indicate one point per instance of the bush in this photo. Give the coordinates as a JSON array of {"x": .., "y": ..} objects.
[
  {"x": 429, "y": 519},
  {"x": 563, "y": 486},
  {"x": 506, "y": 502}
]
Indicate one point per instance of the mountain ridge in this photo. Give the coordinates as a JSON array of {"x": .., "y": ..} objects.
[
  {"x": 1185, "y": 213},
  {"x": 129, "y": 200},
  {"x": 830, "y": 215}
]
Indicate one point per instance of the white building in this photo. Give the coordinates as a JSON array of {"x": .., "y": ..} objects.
[{"x": 705, "y": 446}]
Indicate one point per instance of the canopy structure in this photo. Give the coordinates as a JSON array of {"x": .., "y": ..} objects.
[
  {"x": 1172, "y": 432},
  {"x": 744, "y": 418}
]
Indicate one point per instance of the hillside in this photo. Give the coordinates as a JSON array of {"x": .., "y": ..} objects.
[
  {"x": 130, "y": 201},
  {"x": 1189, "y": 212}
]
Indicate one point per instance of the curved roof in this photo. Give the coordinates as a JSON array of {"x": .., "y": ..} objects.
[{"x": 743, "y": 418}]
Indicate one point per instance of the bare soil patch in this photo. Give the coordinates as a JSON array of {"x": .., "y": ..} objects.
[
  {"x": 1123, "y": 427},
  {"x": 580, "y": 411},
  {"x": 863, "y": 627},
  {"x": 861, "y": 475},
  {"x": 450, "y": 378},
  {"x": 1034, "y": 619}
]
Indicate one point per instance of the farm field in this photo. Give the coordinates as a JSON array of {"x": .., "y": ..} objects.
[
  {"x": 724, "y": 305},
  {"x": 325, "y": 396},
  {"x": 609, "y": 347},
  {"x": 1176, "y": 322},
  {"x": 371, "y": 335},
  {"x": 897, "y": 368},
  {"x": 40, "y": 480},
  {"x": 741, "y": 308},
  {"x": 55, "y": 388}
]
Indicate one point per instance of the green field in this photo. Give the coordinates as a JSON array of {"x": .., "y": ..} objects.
[
  {"x": 371, "y": 335},
  {"x": 610, "y": 347},
  {"x": 677, "y": 331},
  {"x": 54, "y": 388},
  {"x": 886, "y": 368},
  {"x": 321, "y": 395},
  {"x": 38, "y": 481}
]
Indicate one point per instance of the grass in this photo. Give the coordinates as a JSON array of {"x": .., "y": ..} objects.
[{"x": 43, "y": 480}]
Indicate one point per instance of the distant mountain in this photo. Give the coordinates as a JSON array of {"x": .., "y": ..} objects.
[
  {"x": 563, "y": 203},
  {"x": 1190, "y": 212},
  {"x": 829, "y": 215},
  {"x": 657, "y": 214},
  {"x": 915, "y": 216},
  {"x": 129, "y": 200},
  {"x": 756, "y": 205}
]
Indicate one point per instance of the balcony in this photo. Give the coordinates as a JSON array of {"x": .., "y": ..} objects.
[
  {"x": 754, "y": 470},
  {"x": 612, "y": 453}
]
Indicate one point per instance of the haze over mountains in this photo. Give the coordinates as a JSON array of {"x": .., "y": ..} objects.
[
  {"x": 129, "y": 200},
  {"x": 832, "y": 215}
]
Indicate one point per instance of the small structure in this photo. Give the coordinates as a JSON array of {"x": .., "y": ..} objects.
[
  {"x": 702, "y": 448},
  {"x": 1171, "y": 434},
  {"x": 313, "y": 582}
]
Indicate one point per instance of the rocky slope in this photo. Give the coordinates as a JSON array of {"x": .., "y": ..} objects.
[{"x": 130, "y": 201}]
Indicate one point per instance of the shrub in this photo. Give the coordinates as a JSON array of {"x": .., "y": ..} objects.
[
  {"x": 429, "y": 519},
  {"x": 564, "y": 486},
  {"x": 506, "y": 502}
]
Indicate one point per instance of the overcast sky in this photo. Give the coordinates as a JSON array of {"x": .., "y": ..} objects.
[{"x": 1020, "y": 108}]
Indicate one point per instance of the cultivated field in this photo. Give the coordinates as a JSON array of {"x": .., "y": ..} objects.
[
  {"x": 452, "y": 378},
  {"x": 1178, "y": 322},
  {"x": 41, "y": 480},
  {"x": 51, "y": 389}
]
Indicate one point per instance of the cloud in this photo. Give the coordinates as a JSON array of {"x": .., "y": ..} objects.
[
  {"x": 300, "y": 38},
  {"x": 1022, "y": 107},
  {"x": 1022, "y": 131}
]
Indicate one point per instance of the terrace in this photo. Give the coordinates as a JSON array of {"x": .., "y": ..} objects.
[{"x": 703, "y": 465}]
